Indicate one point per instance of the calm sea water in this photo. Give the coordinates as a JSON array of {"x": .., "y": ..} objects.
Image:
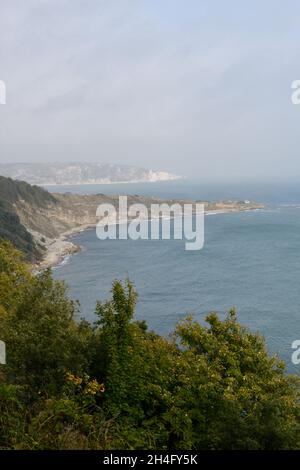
[{"x": 250, "y": 260}]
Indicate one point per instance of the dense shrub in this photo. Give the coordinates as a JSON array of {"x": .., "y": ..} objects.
[{"x": 72, "y": 385}]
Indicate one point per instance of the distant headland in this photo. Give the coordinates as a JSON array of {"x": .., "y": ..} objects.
[{"x": 74, "y": 173}]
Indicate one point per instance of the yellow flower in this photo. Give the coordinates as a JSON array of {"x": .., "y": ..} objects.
[
  {"x": 73, "y": 378},
  {"x": 77, "y": 380},
  {"x": 70, "y": 376},
  {"x": 93, "y": 387}
]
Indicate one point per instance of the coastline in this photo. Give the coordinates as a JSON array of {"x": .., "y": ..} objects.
[{"x": 58, "y": 249}]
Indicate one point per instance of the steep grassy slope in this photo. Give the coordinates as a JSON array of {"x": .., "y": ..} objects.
[{"x": 11, "y": 228}]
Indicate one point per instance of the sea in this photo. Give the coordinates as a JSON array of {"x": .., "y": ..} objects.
[{"x": 250, "y": 261}]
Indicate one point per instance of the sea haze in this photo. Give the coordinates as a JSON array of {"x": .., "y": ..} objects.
[{"x": 250, "y": 260}]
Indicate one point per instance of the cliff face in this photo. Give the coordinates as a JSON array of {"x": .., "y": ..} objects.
[{"x": 70, "y": 211}]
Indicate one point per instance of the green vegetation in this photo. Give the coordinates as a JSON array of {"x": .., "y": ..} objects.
[
  {"x": 114, "y": 385},
  {"x": 11, "y": 228}
]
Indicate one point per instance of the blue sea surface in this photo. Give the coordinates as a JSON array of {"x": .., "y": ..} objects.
[{"x": 250, "y": 261}]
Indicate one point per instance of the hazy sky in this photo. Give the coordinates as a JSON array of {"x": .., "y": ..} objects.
[{"x": 201, "y": 88}]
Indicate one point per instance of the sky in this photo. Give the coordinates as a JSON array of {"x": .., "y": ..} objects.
[{"x": 197, "y": 88}]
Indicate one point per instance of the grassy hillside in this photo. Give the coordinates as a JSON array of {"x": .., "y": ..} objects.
[{"x": 11, "y": 192}]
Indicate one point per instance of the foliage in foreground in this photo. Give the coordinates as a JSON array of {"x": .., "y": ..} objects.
[{"x": 71, "y": 385}]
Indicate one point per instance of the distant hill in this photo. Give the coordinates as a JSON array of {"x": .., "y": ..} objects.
[{"x": 81, "y": 173}]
